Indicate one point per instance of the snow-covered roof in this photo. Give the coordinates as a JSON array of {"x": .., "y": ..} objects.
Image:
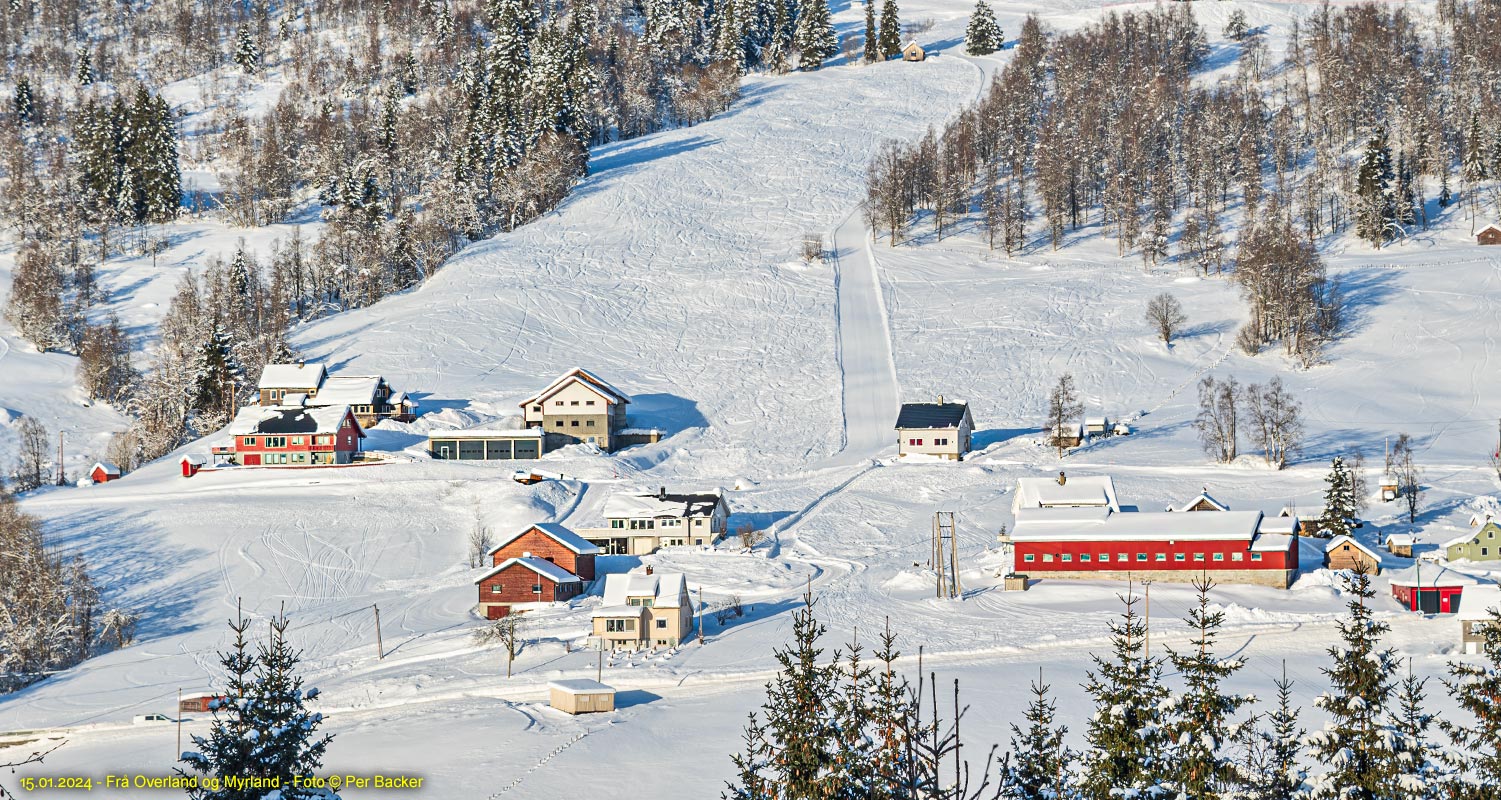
[
  {"x": 1202, "y": 497},
  {"x": 661, "y": 505},
  {"x": 1464, "y": 538},
  {"x": 1067, "y": 429},
  {"x": 580, "y": 686},
  {"x": 927, "y": 416},
  {"x": 292, "y": 376},
  {"x": 1272, "y": 542},
  {"x": 284, "y": 419},
  {"x": 1096, "y": 422},
  {"x": 1480, "y": 600},
  {"x": 1400, "y": 540},
  {"x": 481, "y": 433},
  {"x": 1335, "y": 543},
  {"x": 347, "y": 390},
  {"x": 1094, "y": 525},
  {"x": 109, "y": 468},
  {"x": 911, "y": 43},
  {"x": 1278, "y": 525},
  {"x": 194, "y": 458},
  {"x": 546, "y": 569},
  {"x": 1488, "y": 228},
  {"x": 665, "y": 588},
  {"x": 1076, "y": 490},
  {"x": 555, "y": 532},
  {"x": 585, "y": 376},
  {"x": 618, "y": 611},
  {"x": 1430, "y": 577}
]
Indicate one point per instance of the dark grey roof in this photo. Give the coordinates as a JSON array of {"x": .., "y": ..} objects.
[{"x": 931, "y": 415}]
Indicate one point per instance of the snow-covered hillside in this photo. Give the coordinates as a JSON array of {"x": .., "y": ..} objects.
[{"x": 673, "y": 273}]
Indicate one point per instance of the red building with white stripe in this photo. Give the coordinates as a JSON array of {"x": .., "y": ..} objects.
[
  {"x": 1100, "y": 541},
  {"x": 294, "y": 436}
]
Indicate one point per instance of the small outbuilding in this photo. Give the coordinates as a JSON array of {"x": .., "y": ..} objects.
[
  {"x": 200, "y": 703},
  {"x": 1097, "y": 426},
  {"x": 1204, "y": 502},
  {"x": 912, "y": 51},
  {"x": 1345, "y": 552},
  {"x": 104, "y": 472},
  {"x": 1069, "y": 434},
  {"x": 1430, "y": 588},
  {"x": 1490, "y": 234},
  {"x": 1400, "y": 544},
  {"x": 487, "y": 445},
  {"x": 1477, "y": 617},
  {"x": 581, "y": 696},
  {"x": 191, "y": 463}
]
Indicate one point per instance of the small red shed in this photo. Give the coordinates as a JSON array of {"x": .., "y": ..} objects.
[
  {"x": 199, "y": 703},
  {"x": 191, "y": 464},
  {"x": 104, "y": 472},
  {"x": 1430, "y": 588},
  {"x": 525, "y": 580}
]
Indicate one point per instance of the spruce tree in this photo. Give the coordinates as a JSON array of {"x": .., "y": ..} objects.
[
  {"x": 814, "y": 40},
  {"x": 984, "y": 35},
  {"x": 227, "y": 749},
  {"x": 83, "y": 70},
  {"x": 1038, "y": 764},
  {"x": 872, "y": 52},
  {"x": 1419, "y": 776},
  {"x": 1339, "y": 499},
  {"x": 1272, "y": 767},
  {"x": 1200, "y": 719},
  {"x": 779, "y": 39},
  {"x": 891, "y": 30},
  {"x": 247, "y": 55},
  {"x": 1474, "y": 759},
  {"x": 1373, "y": 188},
  {"x": 1355, "y": 745},
  {"x": 25, "y": 101},
  {"x": 285, "y": 731},
  {"x": 1127, "y": 748}
]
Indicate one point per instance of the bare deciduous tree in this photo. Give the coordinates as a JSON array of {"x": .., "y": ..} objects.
[
  {"x": 1276, "y": 421},
  {"x": 1165, "y": 314},
  {"x": 1219, "y": 416},
  {"x": 480, "y": 542},
  {"x": 1409, "y": 476},
  {"x": 749, "y": 536},
  {"x": 509, "y": 632},
  {"x": 1064, "y": 408},
  {"x": 33, "y": 456}
]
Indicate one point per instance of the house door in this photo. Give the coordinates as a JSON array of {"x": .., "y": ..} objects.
[
  {"x": 252, "y": 459},
  {"x": 443, "y": 452},
  {"x": 1428, "y": 601}
]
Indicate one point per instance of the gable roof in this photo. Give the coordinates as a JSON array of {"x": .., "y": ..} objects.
[
  {"x": 1491, "y": 227},
  {"x": 585, "y": 376},
  {"x": 281, "y": 419},
  {"x": 1465, "y": 538},
  {"x": 910, "y": 44},
  {"x": 1093, "y": 491},
  {"x": 1400, "y": 539},
  {"x": 347, "y": 390},
  {"x": 931, "y": 415},
  {"x": 292, "y": 376},
  {"x": 1104, "y": 524},
  {"x": 1202, "y": 497},
  {"x": 580, "y": 686},
  {"x": 546, "y": 569},
  {"x": 1477, "y": 602},
  {"x": 555, "y": 532},
  {"x": 1343, "y": 539},
  {"x": 109, "y": 468},
  {"x": 662, "y": 505},
  {"x": 666, "y": 589}
]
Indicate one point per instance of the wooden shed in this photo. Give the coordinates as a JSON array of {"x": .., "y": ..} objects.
[
  {"x": 104, "y": 472},
  {"x": 198, "y": 703},
  {"x": 191, "y": 464},
  {"x": 581, "y": 696},
  {"x": 1490, "y": 234},
  {"x": 1400, "y": 544},
  {"x": 1344, "y": 552},
  {"x": 912, "y": 51}
]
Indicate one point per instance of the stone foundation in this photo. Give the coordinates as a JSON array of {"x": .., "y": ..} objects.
[{"x": 1274, "y": 578}]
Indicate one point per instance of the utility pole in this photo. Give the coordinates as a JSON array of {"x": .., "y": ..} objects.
[
  {"x": 62, "y": 477},
  {"x": 700, "y": 615},
  {"x": 945, "y": 555},
  {"x": 179, "y": 721},
  {"x": 1148, "y": 584},
  {"x": 380, "y": 648},
  {"x": 599, "y": 666}
]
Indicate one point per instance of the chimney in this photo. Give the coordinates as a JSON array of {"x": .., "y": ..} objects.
[
  {"x": 299, "y": 363},
  {"x": 1062, "y": 479},
  {"x": 662, "y": 493},
  {"x": 940, "y": 399},
  {"x": 648, "y": 569},
  {"x": 526, "y": 555}
]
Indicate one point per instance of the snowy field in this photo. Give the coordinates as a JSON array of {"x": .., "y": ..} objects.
[{"x": 673, "y": 273}]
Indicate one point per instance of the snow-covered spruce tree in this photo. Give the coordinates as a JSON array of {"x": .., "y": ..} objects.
[
  {"x": 1270, "y": 767},
  {"x": 247, "y": 55},
  {"x": 1375, "y": 210},
  {"x": 1355, "y": 745},
  {"x": 891, "y": 30},
  {"x": 24, "y": 101},
  {"x": 1037, "y": 766},
  {"x": 814, "y": 39},
  {"x": 1474, "y": 759},
  {"x": 1419, "y": 771},
  {"x": 983, "y": 36},
  {"x": 1339, "y": 499},
  {"x": 1201, "y": 716},
  {"x": 1127, "y": 752},
  {"x": 83, "y": 70},
  {"x": 775, "y": 57},
  {"x": 872, "y": 52},
  {"x": 264, "y": 729}
]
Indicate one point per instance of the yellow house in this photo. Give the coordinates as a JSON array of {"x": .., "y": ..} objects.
[
  {"x": 578, "y": 407},
  {"x": 643, "y": 610}
]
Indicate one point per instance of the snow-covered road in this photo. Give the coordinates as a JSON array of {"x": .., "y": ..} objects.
[{"x": 867, "y": 371}]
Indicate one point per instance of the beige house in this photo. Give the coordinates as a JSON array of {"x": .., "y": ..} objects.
[
  {"x": 935, "y": 429},
  {"x": 639, "y": 524},
  {"x": 580, "y": 408},
  {"x": 280, "y": 380},
  {"x": 1346, "y": 552},
  {"x": 1480, "y": 545},
  {"x": 643, "y": 610},
  {"x": 1477, "y": 607},
  {"x": 913, "y": 51},
  {"x": 581, "y": 696}
]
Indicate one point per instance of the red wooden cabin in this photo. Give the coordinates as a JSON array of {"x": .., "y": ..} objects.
[
  {"x": 104, "y": 472},
  {"x": 551, "y": 542},
  {"x": 525, "y": 580}
]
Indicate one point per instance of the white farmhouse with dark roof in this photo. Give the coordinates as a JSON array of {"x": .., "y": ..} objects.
[{"x": 936, "y": 429}]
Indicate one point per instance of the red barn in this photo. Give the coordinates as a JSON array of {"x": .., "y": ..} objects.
[
  {"x": 1105, "y": 544},
  {"x": 104, "y": 472},
  {"x": 524, "y": 580},
  {"x": 199, "y": 703},
  {"x": 1430, "y": 588},
  {"x": 550, "y": 542},
  {"x": 295, "y": 435}
]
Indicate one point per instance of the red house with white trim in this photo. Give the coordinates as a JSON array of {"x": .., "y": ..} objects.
[
  {"x": 294, "y": 435},
  {"x": 1099, "y": 541},
  {"x": 550, "y": 542},
  {"x": 524, "y": 580}
]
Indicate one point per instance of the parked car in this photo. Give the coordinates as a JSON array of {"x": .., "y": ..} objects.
[
  {"x": 150, "y": 719},
  {"x": 531, "y": 476}
]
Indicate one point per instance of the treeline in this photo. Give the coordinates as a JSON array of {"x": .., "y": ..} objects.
[
  {"x": 1161, "y": 726},
  {"x": 51, "y": 616}
]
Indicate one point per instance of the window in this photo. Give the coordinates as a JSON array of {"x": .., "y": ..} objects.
[
  {"x": 1122, "y": 557},
  {"x": 1237, "y": 556},
  {"x": 575, "y": 423},
  {"x": 1029, "y": 558},
  {"x": 496, "y": 587},
  {"x": 558, "y": 424},
  {"x": 296, "y": 440},
  {"x": 662, "y": 623},
  {"x": 1161, "y": 557},
  {"x": 1485, "y": 551},
  {"x": 1047, "y": 557},
  {"x": 619, "y": 625},
  {"x": 940, "y": 442},
  {"x": 588, "y": 402},
  {"x": 1083, "y": 556},
  {"x": 1219, "y": 556},
  {"x": 557, "y": 402},
  {"x": 642, "y": 524},
  {"x": 1141, "y": 556},
  {"x": 914, "y": 442},
  {"x": 250, "y": 441},
  {"x": 645, "y": 602},
  {"x": 1179, "y": 557},
  {"x": 536, "y": 588},
  {"x": 1198, "y": 556},
  {"x": 1068, "y": 557},
  {"x": 617, "y": 523},
  {"x": 536, "y": 408},
  {"x": 589, "y": 423},
  {"x": 1255, "y": 556},
  {"x": 323, "y": 440}
]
